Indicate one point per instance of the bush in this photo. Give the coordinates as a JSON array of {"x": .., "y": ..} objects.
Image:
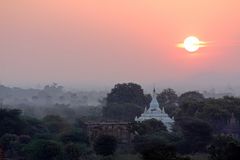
[
  {"x": 72, "y": 151},
  {"x": 7, "y": 139},
  {"x": 224, "y": 148},
  {"x": 75, "y": 136},
  {"x": 24, "y": 139},
  {"x": 43, "y": 150},
  {"x": 105, "y": 145}
]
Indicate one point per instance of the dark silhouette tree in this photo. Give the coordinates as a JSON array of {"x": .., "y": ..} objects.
[
  {"x": 156, "y": 147},
  {"x": 148, "y": 127},
  {"x": 44, "y": 149},
  {"x": 73, "y": 151},
  {"x": 224, "y": 148},
  {"x": 168, "y": 99},
  {"x": 127, "y": 93},
  {"x": 191, "y": 96},
  {"x": 7, "y": 140},
  {"x": 197, "y": 134},
  {"x": 105, "y": 145},
  {"x": 125, "y": 102},
  {"x": 56, "y": 124},
  {"x": 167, "y": 96},
  {"x": 75, "y": 136},
  {"x": 122, "y": 112},
  {"x": 11, "y": 122}
]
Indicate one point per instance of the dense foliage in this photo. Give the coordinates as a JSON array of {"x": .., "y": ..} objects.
[
  {"x": 62, "y": 133},
  {"x": 49, "y": 138},
  {"x": 105, "y": 145},
  {"x": 224, "y": 148},
  {"x": 124, "y": 102}
]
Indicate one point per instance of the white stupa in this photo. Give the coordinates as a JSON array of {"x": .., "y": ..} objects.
[{"x": 155, "y": 112}]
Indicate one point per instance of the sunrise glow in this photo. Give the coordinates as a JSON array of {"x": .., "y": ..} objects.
[
  {"x": 73, "y": 42},
  {"x": 119, "y": 79},
  {"x": 192, "y": 44}
]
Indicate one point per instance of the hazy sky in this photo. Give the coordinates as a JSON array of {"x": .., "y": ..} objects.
[{"x": 97, "y": 43}]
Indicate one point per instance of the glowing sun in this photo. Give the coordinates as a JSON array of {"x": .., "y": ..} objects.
[{"x": 191, "y": 44}]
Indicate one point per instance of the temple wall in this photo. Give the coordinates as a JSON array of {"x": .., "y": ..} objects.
[{"x": 120, "y": 130}]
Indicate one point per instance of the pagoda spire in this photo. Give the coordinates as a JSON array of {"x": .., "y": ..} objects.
[
  {"x": 154, "y": 92},
  {"x": 155, "y": 112},
  {"x": 163, "y": 110}
]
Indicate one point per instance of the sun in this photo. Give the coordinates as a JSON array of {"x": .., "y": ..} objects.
[{"x": 192, "y": 44}]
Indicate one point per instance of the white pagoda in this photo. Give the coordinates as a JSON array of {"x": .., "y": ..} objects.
[{"x": 155, "y": 112}]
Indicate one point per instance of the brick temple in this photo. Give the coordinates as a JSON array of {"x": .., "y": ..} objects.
[
  {"x": 233, "y": 128},
  {"x": 120, "y": 130}
]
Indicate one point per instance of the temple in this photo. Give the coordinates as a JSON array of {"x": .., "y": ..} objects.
[
  {"x": 120, "y": 130},
  {"x": 232, "y": 129},
  {"x": 155, "y": 112}
]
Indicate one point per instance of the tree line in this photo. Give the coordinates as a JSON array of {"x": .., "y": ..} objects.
[{"x": 198, "y": 128}]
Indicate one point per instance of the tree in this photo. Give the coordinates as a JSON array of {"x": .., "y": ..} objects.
[
  {"x": 7, "y": 140},
  {"x": 157, "y": 147},
  {"x": 148, "y": 127},
  {"x": 167, "y": 96},
  {"x": 55, "y": 124},
  {"x": 11, "y": 122},
  {"x": 125, "y": 102},
  {"x": 73, "y": 151},
  {"x": 197, "y": 134},
  {"x": 191, "y": 96},
  {"x": 43, "y": 149},
  {"x": 224, "y": 148},
  {"x": 190, "y": 109},
  {"x": 216, "y": 113},
  {"x": 62, "y": 110},
  {"x": 127, "y": 93},
  {"x": 190, "y": 103},
  {"x": 34, "y": 126},
  {"x": 75, "y": 136},
  {"x": 13, "y": 145},
  {"x": 122, "y": 112},
  {"x": 80, "y": 124},
  {"x": 105, "y": 145},
  {"x": 168, "y": 99},
  {"x": 24, "y": 139}
]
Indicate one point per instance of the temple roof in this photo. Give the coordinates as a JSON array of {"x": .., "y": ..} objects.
[
  {"x": 154, "y": 105},
  {"x": 155, "y": 112}
]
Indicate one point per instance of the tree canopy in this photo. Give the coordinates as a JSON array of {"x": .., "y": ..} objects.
[
  {"x": 127, "y": 93},
  {"x": 125, "y": 102},
  {"x": 105, "y": 145}
]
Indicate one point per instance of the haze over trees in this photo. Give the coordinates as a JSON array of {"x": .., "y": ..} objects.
[
  {"x": 61, "y": 131},
  {"x": 49, "y": 95}
]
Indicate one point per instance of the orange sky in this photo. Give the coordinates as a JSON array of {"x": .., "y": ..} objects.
[{"x": 97, "y": 43}]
